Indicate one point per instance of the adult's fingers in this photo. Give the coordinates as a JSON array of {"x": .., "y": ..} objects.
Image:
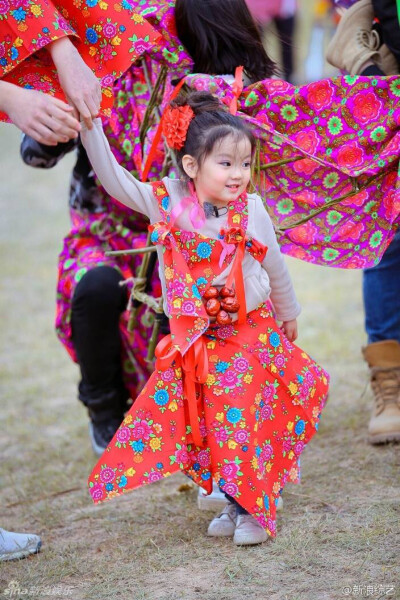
[
  {"x": 61, "y": 130},
  {"x": 43, "y": 134},
  {"x": 66, "y": 119},
  {"x": 60, "y": 104}
]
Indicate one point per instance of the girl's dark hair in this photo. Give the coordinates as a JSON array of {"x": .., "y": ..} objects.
[
  {"x": 221, "y": 35},
  {"x": 211, "y": 123}
]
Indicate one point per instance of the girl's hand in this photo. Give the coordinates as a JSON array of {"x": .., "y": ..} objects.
[
  {"x": 78, "y": 81},
  {"x": 289, "y": 328}
]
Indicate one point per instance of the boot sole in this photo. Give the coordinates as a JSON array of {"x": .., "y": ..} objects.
[{"x": 384, "y": 438}]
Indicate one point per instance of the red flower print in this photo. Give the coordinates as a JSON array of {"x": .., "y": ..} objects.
[
  {"x": 350, "y": 230},
  {"x": 306, "y": 166},
  {"x": 350, "y": 156},
  {"x": 307, "y": 141},
  {"x": 304, "y": 234},
  {"x": 366, "y": 107},
  {"x": 357, "y": 200},
  {"x": 319, "y": 94}
]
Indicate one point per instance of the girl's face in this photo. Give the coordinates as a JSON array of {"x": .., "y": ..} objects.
[{"x": 225, "y": 172}]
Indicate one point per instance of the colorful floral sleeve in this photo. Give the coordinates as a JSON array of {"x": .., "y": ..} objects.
[{"x": 109, "y": 36}]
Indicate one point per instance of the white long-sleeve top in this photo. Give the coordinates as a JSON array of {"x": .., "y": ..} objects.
[{"x": 267, "y": 280}]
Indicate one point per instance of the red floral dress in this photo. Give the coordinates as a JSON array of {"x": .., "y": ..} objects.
[
  {"x": 234, "y": 403},
  {"x": 110, "y": 36}
]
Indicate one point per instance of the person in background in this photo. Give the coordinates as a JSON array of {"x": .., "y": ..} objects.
[
  {"x": 283, "y": 14},
  {"x": 361, "y": 47}
]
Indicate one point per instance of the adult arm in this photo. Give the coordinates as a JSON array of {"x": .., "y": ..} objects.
[
  {"x": 116, "y": 180},
  {"x": 79, "y": 83},
  {"x": 48, "y": 120}
]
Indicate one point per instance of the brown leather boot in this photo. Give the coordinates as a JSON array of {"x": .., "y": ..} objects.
[
  {"x": 354, "y": 42},
  {"x": 383, "y": 359}
]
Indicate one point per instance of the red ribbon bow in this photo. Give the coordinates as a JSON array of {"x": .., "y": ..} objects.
[{"x": 194, "y": 365}]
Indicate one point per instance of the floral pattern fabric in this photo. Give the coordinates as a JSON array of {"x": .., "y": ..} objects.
[
  {"x": 328, "y": 163},
  {"x": 110, "y": 36},
  {"x": 256, "y": 408}
]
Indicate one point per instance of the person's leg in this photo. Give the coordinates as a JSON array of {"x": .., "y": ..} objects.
[
  {"x": 285, "y": 27},
  {"x": 381, "y": 293},
  {"x": 97, "y": 304}
]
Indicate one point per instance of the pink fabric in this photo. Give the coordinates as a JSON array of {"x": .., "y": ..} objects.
[{"x": 264, "y": 10}]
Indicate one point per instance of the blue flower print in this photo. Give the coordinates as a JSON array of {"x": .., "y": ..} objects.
[
  {"x": 154, "y": 237},
  {"x": 196, "y": 292},
  {"x": 126, "y": 5},
  {"x": 203, "y": 250},
  {"x": 123, "y": 482},
  {"x": 205, "y": 476},
  {"x": 161, "y": 397},
  {"x": 91, "y": 2},
  {"x": 201, "y": 281},
  {"x": 159, "y": 465},
  {"x": 109, "y": 487},
  {"x": 258, "y": 451},
  {"x": 45, "y": 30},
  {"x": 138, "y": 446},
  {"x": 14, "y": 53},
  {"x": 122, "y": 28},
  {"x": 91, "y": 35},
  {"x": 221, "y": 483},
  {"x": 19, "y": 14},
  {"x": 233, "y": 415},
  {"x": 245, "y": 448},
  {"x": 3, "y": 62},
  {"x": 221, "y": 366},
  {"x": 165, "y": 202},
  {"x": 274, "y": 339},
  {"x": 266, "y": 502},
  {"x": 300, "y": 425},
  {"x": 196, "y": 466}
]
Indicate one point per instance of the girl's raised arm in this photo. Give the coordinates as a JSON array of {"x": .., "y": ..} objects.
[{"x": 116, "y": 180}]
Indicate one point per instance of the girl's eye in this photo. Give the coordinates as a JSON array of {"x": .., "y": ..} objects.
[
  {"x": 246, "y": 165},
  {"x": 225, "y": 163}
]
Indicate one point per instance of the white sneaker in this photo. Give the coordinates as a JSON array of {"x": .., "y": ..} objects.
[
  {"x": 18, "y": 545},
  {"x": 249, "y": 532},
  {"x": 223, "y": 525},
  {"x": 215, "y": 501}
]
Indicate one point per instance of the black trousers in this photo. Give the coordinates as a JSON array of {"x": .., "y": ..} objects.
[{"x": 97, "y": 305}]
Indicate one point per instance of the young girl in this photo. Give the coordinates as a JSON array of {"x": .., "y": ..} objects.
[{"x": 231, "y": 397}]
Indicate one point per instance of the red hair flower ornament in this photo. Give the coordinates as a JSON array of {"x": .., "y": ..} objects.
[{"x": 176, "y": 122}]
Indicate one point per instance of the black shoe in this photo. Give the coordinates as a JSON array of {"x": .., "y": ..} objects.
[{"x": 101, "y": 433}]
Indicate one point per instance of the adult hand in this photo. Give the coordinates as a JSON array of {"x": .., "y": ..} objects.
[
  {"x": 80, "y": 85},
  {"x": 289, "y": 328},
  {"x": 46, "y": 119}
]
